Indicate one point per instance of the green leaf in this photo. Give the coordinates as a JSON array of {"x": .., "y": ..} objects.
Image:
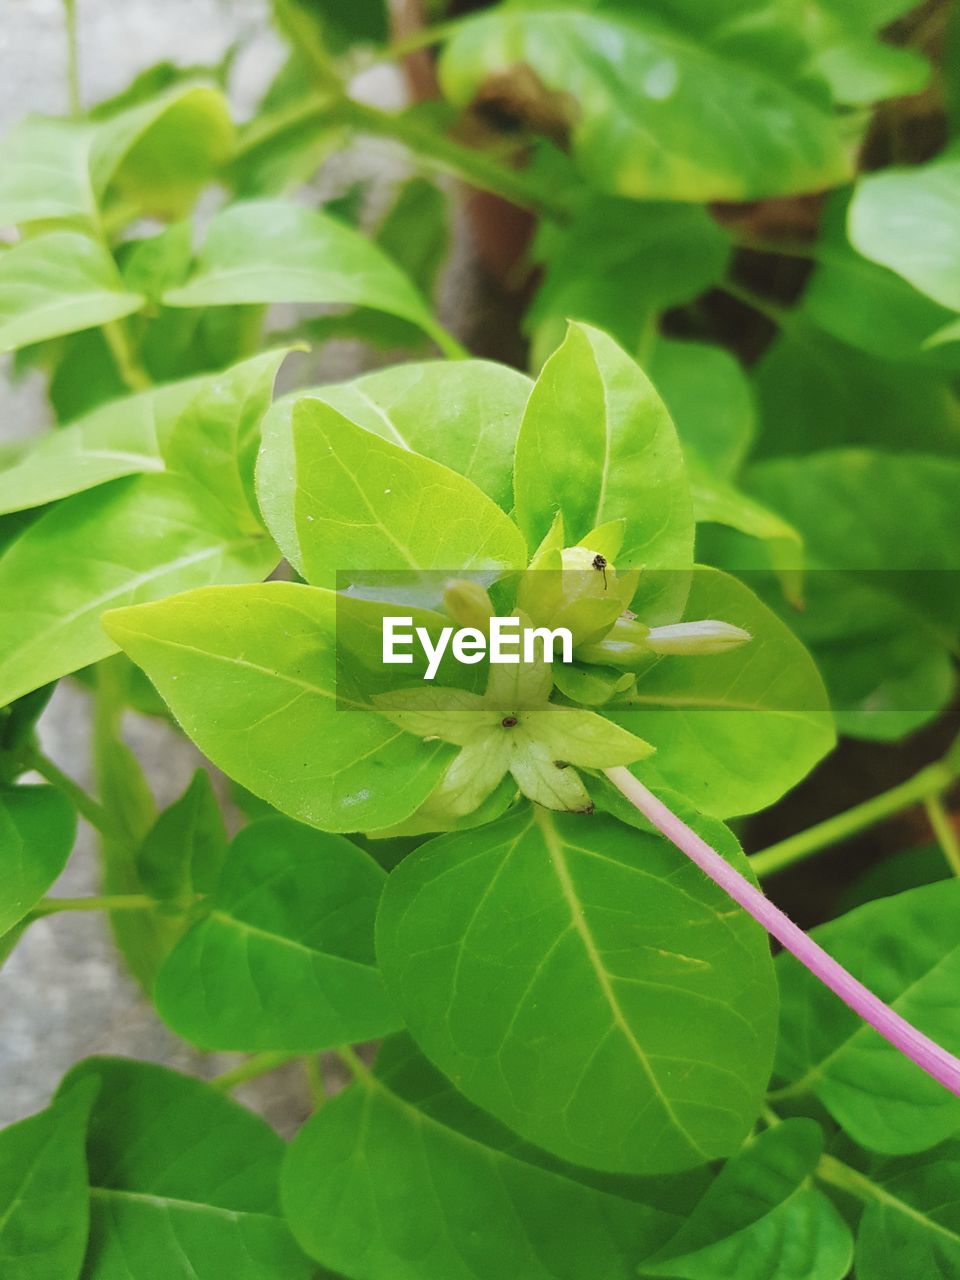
[
  {"x": 251, "y": 675},
  {"x": 464, "y": 414},
  {"x": 882, "y": 535},
  {"x": 905, "y": 219},
  {"x": 400, "y": 1178},
  {"x": 597, "y": 444},
  {"x": 815, "y": 392},
  {"x": 138, "y": 539},
  {"x": 643, "y": 258},
  {"x": 906, "y": 949},
  {"x": 585, "y": 986},
  {"x": 761, "y": 1219},
  {"x": 283, "y": 956},
  {"x": 652, "y": 112},
  {"x": 733, "y": 730},
  {"x": 869, "y": 307},
  {"x": 44, "y": 171},
  {"x": 118, "y": 440},
  {"x": 183, "y": 1182},
  {"x": 415, "y": 234},
  {"x": 43, "y": 1191},
  {"x": 274, "y": 251},
  {"x": 37, "y": 830},
  {"x": 155, "y": 157},
  {"x": 715, "y": 501},
  {"x": 59, "y": 283},
  {"x": 911, "y": 1223},
  {"x": 205, "y": 427},
  {"x": 151, "y": 158},
  {"x": 360, "y": 502},
  {"x": 185, "y": 849},
  {"x": 709, "y": 398}
]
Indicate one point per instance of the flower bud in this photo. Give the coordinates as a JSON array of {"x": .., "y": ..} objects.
[
  {"x": 578, "y": 589},
  {"x": 468, "y": 603},
  {"x": 708, "y": 636}
]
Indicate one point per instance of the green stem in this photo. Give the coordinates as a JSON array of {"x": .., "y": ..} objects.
[
  {"x": 73, "y": 58},
  {"x": 944, "y": 830},
  {"x": 424, "y": 38},
  {"x": 778, "y": 248},
  {"x": 447, "y": 156},
  {"x": 763, "y": 306},
  {"x": 355, "y": 1064},
  {"x": 85, "y": 804},
  {"x": 303, "y": 33},
  {"x": 131, "y": 370},
  {"x": 105, "y": 902},
  {"x": 315, "y": 1081},
  {"x": 930, "y": 781},
  {"x": 261, "y": 1064}
]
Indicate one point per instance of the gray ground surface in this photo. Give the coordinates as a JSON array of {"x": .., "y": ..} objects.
[{"x": 63, "y": 994}]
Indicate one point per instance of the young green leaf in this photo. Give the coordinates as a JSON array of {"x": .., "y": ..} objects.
[
  {"x": 154, "y": 157},
  {"x": 907, "y": 949},
  {"x": 251, "y": 674},
  {"x": 597, "y": 444},
  {"x": 134, "y": 540},
  {"x": 34, "y": 150},
  {"x": 183, "y": 853},
  {"x": 733, "y": 730},
  {"x": 761, "y": 1219},
  {"x": 205, "y": 427},
  {"x": 883, "y": 538},
  {"x": 870, "y": 307},
  {"x": 597, "y": 996},
  {"x": 905, "y": 219},
  {"x": 911, "y": 1222},
  {"x": 400, "y": 1178},
  {"x": 644, "y": 257},
  {"x": 37, "y": 830},
  {"x": 58, "y": 283},
  {"x": 464, "y": 414},
  {"x": 183, "y": 1182},
  {"x": 283, "y": 956},
  {"x": 709, "y": 398},
  {"x": 43, "y": 1190},
  {"x": 362, "y": 502},
  {"x": 151, "y": 158},
  {"x": 275, "y": 251},
  {"x": 651, "y": 112}
]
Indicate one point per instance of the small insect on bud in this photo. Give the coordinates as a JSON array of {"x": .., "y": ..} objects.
[
  {"x": 708, "y": 636},
  {"x": 468, "y": 603}
]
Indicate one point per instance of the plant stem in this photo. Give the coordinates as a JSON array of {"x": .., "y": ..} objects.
[
  {"x": 131, "y": 370},
  {"x": 357, "y": 1067},
  {"x": 303, "y": 34},
  {"x": 85, "y": 804},
  {"x": 104, "y": 902},
  {"x": 944, "y": 830},
  {"x": 315, "y": 1081},
  {"x": 260, "y": 1064},
  {"x": 448, "y": 156},
  {"x": 777, "y": 315},
  {"x": 930, "y": 781},
  {"x": 73, "y": 58},
  {"x": 424, "y": 38},
  {"x": 926, "y": 1053}
]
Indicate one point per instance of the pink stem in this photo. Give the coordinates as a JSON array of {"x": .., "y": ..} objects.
[{"x": 926, "y": 1053}]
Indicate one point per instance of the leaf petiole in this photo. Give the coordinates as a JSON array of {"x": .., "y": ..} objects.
[
  {"x": 86, "y": 806},
  {"x": 931, "y": 781},
  {"x": 926, "y": 1053},
  {"x": 260, "y": 1064}
]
